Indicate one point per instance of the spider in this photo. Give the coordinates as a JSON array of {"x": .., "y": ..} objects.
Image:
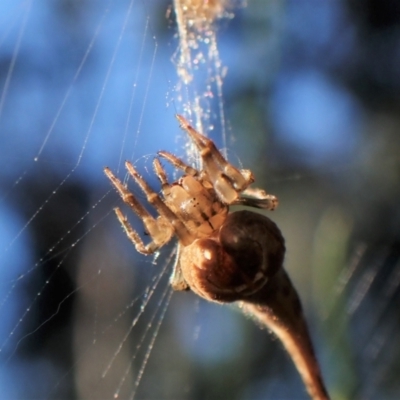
[
  {"x": 223, "y": 256},
  {"x": 195, "y": 209}
]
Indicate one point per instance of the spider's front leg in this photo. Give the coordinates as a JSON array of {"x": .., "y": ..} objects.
[{"x": 227, "y": 180}]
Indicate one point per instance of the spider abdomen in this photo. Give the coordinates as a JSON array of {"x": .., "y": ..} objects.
[{"x": 237, "y": 260}]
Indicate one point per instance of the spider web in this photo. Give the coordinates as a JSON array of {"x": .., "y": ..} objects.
[{"x": 86, "y": 84}]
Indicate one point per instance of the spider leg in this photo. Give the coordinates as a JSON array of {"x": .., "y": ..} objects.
[
  {"x": 226, "y": 179},
  {"x": 258, "y": 198},
  {"x": 162, "y": 176},
  {"x": 159, "y": 229},
  {"x": 134, "y": 237},
  {"x": 177, "y": 280},
  {"x": 184, "y": 236},
  {"x": 178, "y": 163}
]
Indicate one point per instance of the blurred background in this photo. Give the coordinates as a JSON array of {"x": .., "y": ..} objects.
[{"x": 311, "y": 100}]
